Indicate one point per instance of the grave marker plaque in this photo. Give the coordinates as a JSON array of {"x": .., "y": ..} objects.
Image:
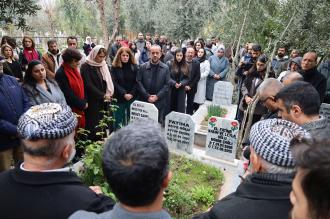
[
  {"x": 221, "y": 138},
  {"x": 141, "y": 109},
  {"x": 179, "y": 131},
  {"x": 222, "y": 93}
]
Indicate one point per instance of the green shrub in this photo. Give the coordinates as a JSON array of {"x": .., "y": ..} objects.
[
  {"x": 213, "y": 110},
  {"x": 203, "y": 194}
]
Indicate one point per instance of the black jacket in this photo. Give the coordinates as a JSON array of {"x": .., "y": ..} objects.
[
  {"x": 260, "y": 196},
  {"x": 51, "y": 195},
  {"x": 144, "y": 80},
  {"x": 124, "y": 81},
  {"x": 195, "y": 75},
  {"x": 317, "y": 80},
  {"x": 71, "y": 99}
]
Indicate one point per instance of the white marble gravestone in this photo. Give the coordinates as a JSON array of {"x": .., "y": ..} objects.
[
  {"x": 179, "y": 131},
  {"x": 221, "y": 139},
  {"x": 141, "y": 109},
  {"x": 222, "y": 93}
]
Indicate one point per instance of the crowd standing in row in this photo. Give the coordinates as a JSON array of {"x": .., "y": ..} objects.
[{"x": 173, "y": 79}]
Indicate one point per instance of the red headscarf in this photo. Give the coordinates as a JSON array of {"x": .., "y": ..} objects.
[{"x": 77, "y": 85}]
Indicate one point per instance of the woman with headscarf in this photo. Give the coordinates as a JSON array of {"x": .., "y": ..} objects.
[
  {"x": 219, "y": 67},
  {"x": 88, "y": 45},
  {"x": 29, "y": 52},
  {"x": 39, "y": 88},
  {"x": 124, "y": 71},
  {"x": 99, "y": 89},
  {"x": 179, "y": 72},
  {"x": 71, "y": 83},
  {"x": 205, "y": 69},
  {"x": 10, "y": 65}
]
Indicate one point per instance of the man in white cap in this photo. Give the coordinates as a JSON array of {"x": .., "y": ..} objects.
[
  {"x": 265, "y": 192},
  {"x": 43, "y": 186}
]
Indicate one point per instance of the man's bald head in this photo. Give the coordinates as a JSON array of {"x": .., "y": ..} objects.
[
  {"x": 292, "y": 77},
  {"x": 156, "y": 53},
  {"x": 269, "y": 87},
  {"x": 309, "y": 61}
]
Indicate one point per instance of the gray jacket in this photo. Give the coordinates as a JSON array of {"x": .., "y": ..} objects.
[
  {"x": 120, "y": 213},
  {"x": 145, "y": 83},
  {"x": 39, "y": 95}
]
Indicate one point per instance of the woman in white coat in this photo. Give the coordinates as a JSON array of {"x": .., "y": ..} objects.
[{"x": 205, "y": 69}]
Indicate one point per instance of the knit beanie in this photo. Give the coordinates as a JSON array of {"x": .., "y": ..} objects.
[
  {"x": 47, "y": 121},
  {"x": 271, "y": 138}
]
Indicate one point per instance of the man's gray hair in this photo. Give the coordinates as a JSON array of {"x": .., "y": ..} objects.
[
  {"x": 272, "y": 168},
  {"x": 269, "y": 87}
]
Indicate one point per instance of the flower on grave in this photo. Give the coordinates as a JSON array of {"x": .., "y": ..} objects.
[
  {"x": 234, "y": 123},
  {"x": 212, "y": 121}
]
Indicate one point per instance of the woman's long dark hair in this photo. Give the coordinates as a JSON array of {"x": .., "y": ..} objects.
[
  {"x": 180, "y": 66},
  {"x": 28, "y": 78}
]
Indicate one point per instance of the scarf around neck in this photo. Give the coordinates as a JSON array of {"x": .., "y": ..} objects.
[
  {"x": 77, "y": 85},
  {"x": 103, "y": 68},
  {"x": 31, "y": 54}
]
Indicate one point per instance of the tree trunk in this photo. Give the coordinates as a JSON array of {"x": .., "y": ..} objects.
[
  {"x": 105, "y": 32},
  {"x": 241, "y": 32},
  {"x": 116, "y": 12}
]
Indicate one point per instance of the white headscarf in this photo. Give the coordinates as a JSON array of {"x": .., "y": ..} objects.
[{"x": 103, "y": 68}]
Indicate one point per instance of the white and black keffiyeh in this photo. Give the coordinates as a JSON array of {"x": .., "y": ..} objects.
[
  {"x": 47, "y": 121},
  {"x": 271, "y": 140}
]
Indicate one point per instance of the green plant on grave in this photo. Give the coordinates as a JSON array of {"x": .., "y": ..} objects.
[
  {"x": 214, "y": 110},
  {"x": 203, "y": 194},
  {"x": 92, "y": 173}
]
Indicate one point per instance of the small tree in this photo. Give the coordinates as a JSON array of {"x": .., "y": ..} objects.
[{"x": 15, "y": 12}]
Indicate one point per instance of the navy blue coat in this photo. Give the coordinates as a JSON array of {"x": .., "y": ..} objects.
[{"x": 13, "y": 103}]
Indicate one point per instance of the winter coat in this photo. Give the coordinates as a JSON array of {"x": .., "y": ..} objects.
[
  {"x": 195, "y": 75},
  {"x": 24, "y": 62},
  {"x": 318, "y": 81},
  {"x": 95, "y": 89},
  {"x": 201, "y": 87},
  {"x": 144, "y": 57},
  {"x": 39, "y": 191},
  {"x": 324, "y": 69},
  {"x": 249, "y": 88},
  {"x": 145, "y": 83},
  {"x": 38, "y": 95},
  {"x": 13, "y": 103},
  {"x": 177, "y": 95},
  {"x": 124, "y": 82},
  {"x": 71, "y": 99},
  {"x": 280, "y": 64},
  {"x": 49, "y": 62},
  {"x": 260, "y": 196},
  {"x": 13, "y": 69},
  {"x": 219, "y": 66}
]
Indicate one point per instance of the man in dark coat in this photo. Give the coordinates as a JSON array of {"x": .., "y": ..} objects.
[
  {"x": 43, "y": 186},
  {"x": 311, "y": 74},
  {"x": 13, "y": 103},
  {"x": 195, "y": 75},
  {"x": 266, "y": 192},
  {"x": 153, "y": 81}
]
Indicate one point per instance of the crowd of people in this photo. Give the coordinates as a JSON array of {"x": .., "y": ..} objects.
[{"x": 45, "y": 98}]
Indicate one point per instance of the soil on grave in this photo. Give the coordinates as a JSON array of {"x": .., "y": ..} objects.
[{"x": 182, "y": 200}]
